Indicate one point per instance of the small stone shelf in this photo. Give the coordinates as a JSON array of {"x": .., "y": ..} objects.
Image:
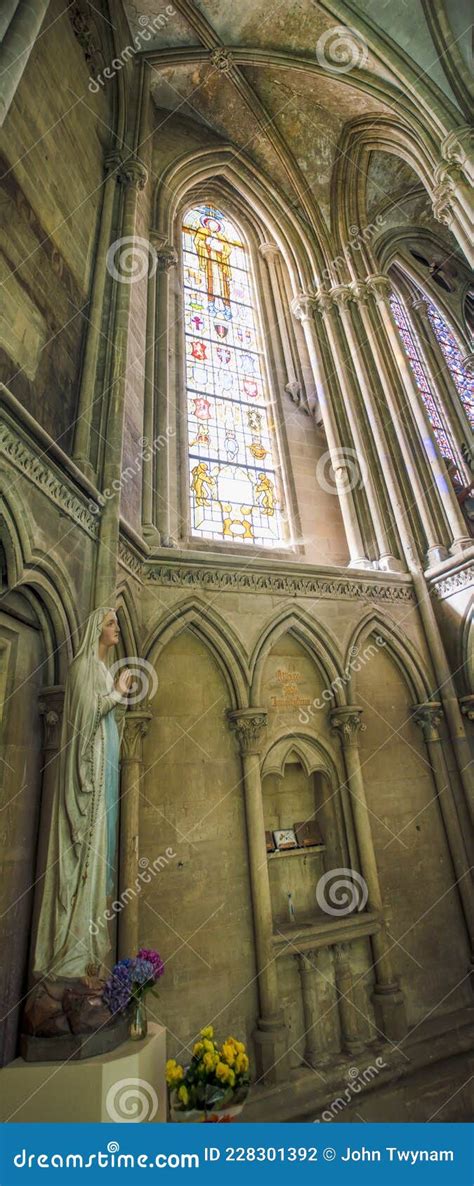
[{"x": 296, "y": 852}]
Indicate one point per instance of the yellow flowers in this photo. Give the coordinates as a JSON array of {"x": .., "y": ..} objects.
[
  {"x": 174, "y": 1073},
  {"x": 225, "y": 1074},
  {"x": 215, "y": 1072}
]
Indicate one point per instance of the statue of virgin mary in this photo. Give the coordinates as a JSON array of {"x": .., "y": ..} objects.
[{"x": 81, "y": 862}]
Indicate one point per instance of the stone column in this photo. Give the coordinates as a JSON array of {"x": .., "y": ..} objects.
[
  {"x": 270, "y": 1036},
  {"x": 87, "y": 391},
  {"x": 428, "y": 716},
  {"x": 303, "y": 307},
  {"x": 381, "y": 286},
  {"x": 326, "y": 303},
  {"x": 388, "y": 999},
  {"x": 452, "y": 205},
  {"x": 308, "y": 970},
  {"x": 136, "y": 722},
  {"x": 150, "y": 530},
  {"x": 16, "y": 47},
  {"x": 386, "y": 366},
  {"x": 133, "y": 176},
  {"x": 272, "y": 256},
  {"x": 166, "y": 415},
  {"x": 350, "y": 1036}
]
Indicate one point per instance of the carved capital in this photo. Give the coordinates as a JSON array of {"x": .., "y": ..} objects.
[
  {"x": 346, "y": 722},
  {"x": 360, "y": 292},
  {"x": 442, "y": 202},
  {"x": 113, "y": 163},
  {"x": 269, "y": 251},
  {"x": 135, "y": 726},
  {"x": 222, "y": 59},
  {"x": 428, "y": 717},
  {"x": 342, "y": 294},
  {"x": 303, "y": 306},
  {"x": 468, "y": 362},
  {"x": 467, "y": 706},
  {"x": 167, "y": 258},
  {"x": 380, "y": 287},
  {"x": 50, "y": 706},
  {"x": 458, "y": 147},
  {"x": 248, "y": 725},
  {"x": 134, "y": 174}
]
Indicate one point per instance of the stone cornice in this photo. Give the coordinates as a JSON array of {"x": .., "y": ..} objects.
[
  {"x": 452, "y": 582},
  {"x": 35, "y": 465},
  {"x": 227, "y": 576}
]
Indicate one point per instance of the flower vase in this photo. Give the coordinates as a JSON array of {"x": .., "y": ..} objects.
[{"x": 138, "y": 1020}]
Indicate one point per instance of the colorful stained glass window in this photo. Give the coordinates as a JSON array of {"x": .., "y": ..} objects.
[
  {"x": 234, "y": 480},
  {"x": 429, "y": 396},
  {"x": 463, "y": 381}
]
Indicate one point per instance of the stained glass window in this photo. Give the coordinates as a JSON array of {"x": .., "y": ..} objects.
[
  {"x": 233, "y": 461},
  {"x": 453, "y": 356},
  {"x": 429, "y": 396}
]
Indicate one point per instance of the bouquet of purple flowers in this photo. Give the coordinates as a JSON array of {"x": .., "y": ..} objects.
[{"x": 131, "y": 979}]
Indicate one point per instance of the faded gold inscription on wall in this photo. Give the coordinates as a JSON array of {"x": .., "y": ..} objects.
[{"x": 288, "y": 693}]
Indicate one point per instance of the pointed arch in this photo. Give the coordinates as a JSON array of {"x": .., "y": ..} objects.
[
  {"x": 409, "y": 662},
  {"x": 313, "y": 754},
  {"x": 216, "y": 634},
  {"x": 318, "y": 642},
  {"x": 127, "y": 613}
]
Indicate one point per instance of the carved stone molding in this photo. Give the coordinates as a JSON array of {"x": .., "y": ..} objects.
[
  {"x": 133, "y": 173},
  {"x": 454, "y": 582},
  {"x": 251, "y": 581},
  {"x": 467, "y": 706},
  {"x": 248, "y": 724},
  {"x": 50, "y": 707},
  {"x": 130, "y": 560},
  {"x": 222, "y": 59},
  {"x": 135, "y": 726},
  {"x": 167, "y": 258},
  {"x": 428, "y": 716},
  {"x": 269, "y": 251},
  {"x": 34, "y": 467},
  {"x": 346, "y": 722}
]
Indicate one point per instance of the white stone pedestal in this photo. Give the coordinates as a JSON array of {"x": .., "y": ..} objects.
[{"x": 126, "y": 1085}]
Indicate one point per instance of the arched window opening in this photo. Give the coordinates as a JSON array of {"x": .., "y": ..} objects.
[
  {"x": 431, "y": 400},
  {"x": 234, "y": 469},
  {"x": 453, "y": 356}
]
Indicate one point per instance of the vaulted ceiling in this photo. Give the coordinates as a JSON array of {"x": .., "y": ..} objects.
[{"x": 281, "y": 81}]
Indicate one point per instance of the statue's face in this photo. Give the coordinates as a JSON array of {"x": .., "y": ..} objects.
[{"x": 110, "y": 632}]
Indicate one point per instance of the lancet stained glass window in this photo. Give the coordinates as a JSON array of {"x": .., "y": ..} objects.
[
  {"x": 453, "y": 356},
  {"x": 233, "y": 461},
  {"x": 430, "y": 398}
]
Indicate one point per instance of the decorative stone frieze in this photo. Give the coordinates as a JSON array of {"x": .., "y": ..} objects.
[
  {"x": 454, "y": 582},
  {"x": 34, "y": 467},
  {"x": 247, "y": 581},
  {"x": 130, "y": 560}
]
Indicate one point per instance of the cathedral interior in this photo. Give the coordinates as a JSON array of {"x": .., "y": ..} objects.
[{"x": 236, "y": 408}]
